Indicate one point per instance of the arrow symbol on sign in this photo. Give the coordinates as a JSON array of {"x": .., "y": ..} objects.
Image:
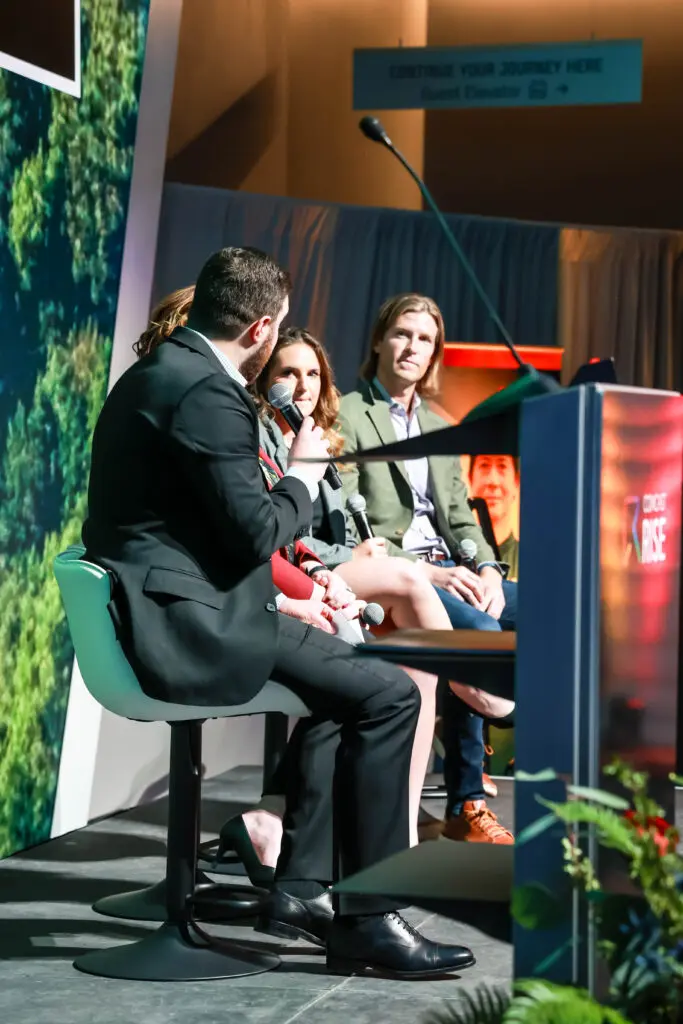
[{"x": 563, "y": 88}]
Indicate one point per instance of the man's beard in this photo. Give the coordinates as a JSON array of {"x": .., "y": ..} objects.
[{"x": 254, "y": 363}]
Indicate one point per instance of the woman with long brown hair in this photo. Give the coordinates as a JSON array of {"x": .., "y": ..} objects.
[
  {"x": 300, "y": 361},
  {"x": 170, "y": 313}
]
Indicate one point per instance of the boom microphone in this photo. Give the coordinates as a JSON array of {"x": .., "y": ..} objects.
[
  {"x": 281, "y": 398},
  {"x": 356, "y": 506},
  {"x": 373, "y": 129}
]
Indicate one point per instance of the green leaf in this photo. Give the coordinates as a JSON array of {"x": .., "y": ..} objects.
[
  {"x": 535, "y": 828},
  {"x": 614, "y": 831},
  {"x": 535, "y": 906},
  {"x": 611, "y": 1016},
  {"x": 543, "y": 1002},
  {"x": 551, "y": 959},
  {"x": 546, "y": 775},
  {"x": 599, "y": 796}
]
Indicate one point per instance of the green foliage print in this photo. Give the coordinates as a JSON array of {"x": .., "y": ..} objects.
[{"x": 66, "y": 163}]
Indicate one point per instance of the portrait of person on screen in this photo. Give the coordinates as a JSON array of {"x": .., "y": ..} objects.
[{"x": 495, "y": 478}]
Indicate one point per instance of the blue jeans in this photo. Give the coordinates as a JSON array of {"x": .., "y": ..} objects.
[{"x": 463, "y": 731}]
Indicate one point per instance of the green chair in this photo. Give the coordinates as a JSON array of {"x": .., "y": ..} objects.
[{"x": 178, "y": 950}]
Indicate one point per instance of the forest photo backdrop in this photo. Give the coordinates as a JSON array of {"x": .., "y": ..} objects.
[{"x": 65, "y": 170}]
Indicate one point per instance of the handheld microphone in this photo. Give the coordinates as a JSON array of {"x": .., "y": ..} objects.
[
  {"x": 356, "y": 506},
  {"x": 350, "y": 631},
  {"x": 347, "y": 630},
  {"x": 373, "y": 129},
  {"x": 467, "y": 549},
  {"x": 372, "y": 614},
  {"x": 280, "y": 397}
]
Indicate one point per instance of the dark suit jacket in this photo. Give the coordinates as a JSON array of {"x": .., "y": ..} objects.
[{"x": 179, "y": 511}]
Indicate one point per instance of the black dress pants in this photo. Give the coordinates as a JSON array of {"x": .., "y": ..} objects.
[{"x": 346, "y": 769}]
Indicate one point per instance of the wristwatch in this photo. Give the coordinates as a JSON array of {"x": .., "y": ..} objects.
[{"x": 502, "y": 567}]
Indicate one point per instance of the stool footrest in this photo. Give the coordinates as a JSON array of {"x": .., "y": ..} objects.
[
  {"x": 210, "y": 902},
  {"x": 176, "y": 953}
]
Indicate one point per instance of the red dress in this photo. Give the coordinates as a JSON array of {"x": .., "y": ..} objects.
[{"x": 288, "y": 576}]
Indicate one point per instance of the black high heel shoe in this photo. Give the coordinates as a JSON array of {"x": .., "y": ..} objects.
[{"x": 234, "y": 837}]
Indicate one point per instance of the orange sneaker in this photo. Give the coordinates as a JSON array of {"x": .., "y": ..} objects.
[
  {"x": 489, "y": 787},
  {"x": 477, "y": 824}
]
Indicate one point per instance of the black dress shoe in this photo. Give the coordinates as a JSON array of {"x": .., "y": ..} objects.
[
  {"x": 289, "y": 917},
  {"x": 388, "y": 945}
]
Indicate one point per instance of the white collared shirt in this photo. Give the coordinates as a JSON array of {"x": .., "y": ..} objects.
[
  {"x": 229, "y": 367},
  {"x": 421, "y": 537}
]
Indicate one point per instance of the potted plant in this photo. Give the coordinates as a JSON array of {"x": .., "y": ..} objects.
[{"x": 640, "y": 933}]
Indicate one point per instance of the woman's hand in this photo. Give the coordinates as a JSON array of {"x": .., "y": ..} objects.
[
  {"x": 375, "y": 547},
  {"x": 336, "y": 590},
  {"x": 312, "y": 612}
]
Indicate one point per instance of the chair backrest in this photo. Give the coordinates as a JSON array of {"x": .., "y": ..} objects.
[
  {"x": 479, "y": 506},
  {"x": 86, "y": 592}
]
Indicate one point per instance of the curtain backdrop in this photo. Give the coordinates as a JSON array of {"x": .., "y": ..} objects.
[
  {"x": 621, "y": 295},
  {"x": 345, "y": 260}
]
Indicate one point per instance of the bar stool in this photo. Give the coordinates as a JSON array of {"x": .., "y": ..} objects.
[{"x": 178, "y": 950}]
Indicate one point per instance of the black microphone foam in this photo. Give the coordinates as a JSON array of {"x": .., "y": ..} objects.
[
  {"x": 281, "y": 398},
  {"x": 373, "y": 129}
]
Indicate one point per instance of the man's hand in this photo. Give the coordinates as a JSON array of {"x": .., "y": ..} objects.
[
  {"x": 309, "y": 443},
  {"x": 493, "y": 599},
  {"x": 312, "y": 612},
  {"x": 336, "y": 589},
  {"x": 457, "y": 580},
  {"x": 375, "y": 547}
]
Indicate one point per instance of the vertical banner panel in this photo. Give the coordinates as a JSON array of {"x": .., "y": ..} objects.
[{"x": 68, "y": 160}]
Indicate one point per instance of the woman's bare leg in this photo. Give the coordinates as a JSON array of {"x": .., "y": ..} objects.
[
  {"x": 412, "y": 602},
  {"x": 264, "y": 825},
  {"x": 399, "y": 586},
  {"x": 422, "y": 745}
]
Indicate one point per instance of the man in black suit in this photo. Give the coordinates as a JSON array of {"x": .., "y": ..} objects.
[{"x": 180, "y": 514}]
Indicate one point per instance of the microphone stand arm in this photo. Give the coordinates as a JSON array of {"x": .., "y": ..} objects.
[{"x": 464, "y": 262}]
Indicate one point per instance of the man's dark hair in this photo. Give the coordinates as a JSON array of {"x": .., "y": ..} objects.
[{"x": 236, "y": 287}]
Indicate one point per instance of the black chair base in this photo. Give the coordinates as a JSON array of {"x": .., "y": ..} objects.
[
  {"x": 176, "y": 953},
  {"x": 178, "y": 950},
  {"x": 210, "y": 902}
]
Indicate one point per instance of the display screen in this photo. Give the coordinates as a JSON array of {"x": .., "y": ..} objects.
[
  {"x": 40, "y": 39},
  {"x": 640, "y": 555}
]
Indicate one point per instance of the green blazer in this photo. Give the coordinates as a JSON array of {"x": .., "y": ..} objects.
[{"x": 366, "y": 423}]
